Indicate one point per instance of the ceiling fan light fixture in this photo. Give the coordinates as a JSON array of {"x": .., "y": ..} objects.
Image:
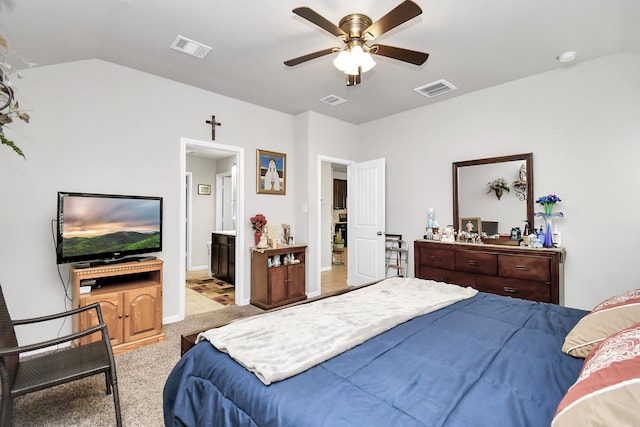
[
  {"x": 353, "y": 59},
  {"x": 342, "y": 61},
  {"x": 367, "y": 62}
]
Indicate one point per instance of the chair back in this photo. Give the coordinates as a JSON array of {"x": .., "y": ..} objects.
[{"x": 9, "y": 364}]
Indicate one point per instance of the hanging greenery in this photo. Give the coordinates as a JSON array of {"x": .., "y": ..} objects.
[{"x": 9, "y": 106}]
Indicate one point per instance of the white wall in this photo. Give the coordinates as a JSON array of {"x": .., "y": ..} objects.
[
  {"x": 328, "y": 138},
  {"x": 203, "y": 171},
  {"x": 580, "y": 122},
  {"x": 99, "y": 127}
]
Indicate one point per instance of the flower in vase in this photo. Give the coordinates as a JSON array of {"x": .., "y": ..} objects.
[
  {"x": 258, "y": 222},
  {"x": 548, "y": 202}
]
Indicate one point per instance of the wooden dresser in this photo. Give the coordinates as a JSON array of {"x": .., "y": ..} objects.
[{"x": 522, "y": 272}]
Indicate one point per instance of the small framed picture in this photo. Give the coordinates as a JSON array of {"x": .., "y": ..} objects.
[
  {"x": 204, "y": 189},
  {"x": 271, "y": 172},
  {"x": 470, "y": 225}
]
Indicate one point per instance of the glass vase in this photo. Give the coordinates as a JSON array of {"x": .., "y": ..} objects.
[
  {"x": 548, "y": 229},
  {"x": 548, "y": 237}
]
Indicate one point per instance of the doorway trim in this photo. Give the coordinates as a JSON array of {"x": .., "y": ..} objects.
[
  {"x": 318, "y": 260},
  {"x": 187, "y": 217},
  {"x": 240, "y": 244}
]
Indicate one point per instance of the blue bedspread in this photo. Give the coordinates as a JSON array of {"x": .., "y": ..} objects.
[{"x": 486, "y": 361}]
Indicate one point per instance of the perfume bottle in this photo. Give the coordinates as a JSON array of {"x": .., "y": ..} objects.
[
  {"x": 541, "y": 234},
  {"x": 556, "y": 237}
]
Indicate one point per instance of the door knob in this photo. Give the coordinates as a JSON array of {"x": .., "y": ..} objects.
[{"x": 379, "y": 233}]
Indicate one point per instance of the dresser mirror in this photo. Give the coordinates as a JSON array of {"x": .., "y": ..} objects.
[{"x": 498, "y": 211}]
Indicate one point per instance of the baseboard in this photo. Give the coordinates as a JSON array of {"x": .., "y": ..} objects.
[{"x": 172, "y": 319}]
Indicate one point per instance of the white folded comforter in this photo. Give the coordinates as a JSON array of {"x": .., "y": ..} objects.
[{"x": 283, "y": 343}]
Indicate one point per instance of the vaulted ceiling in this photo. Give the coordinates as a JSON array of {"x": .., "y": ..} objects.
[{"x": 473, "y": 44}]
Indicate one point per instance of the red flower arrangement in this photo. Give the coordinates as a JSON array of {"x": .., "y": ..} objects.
[{"x": 258, "y": 222}]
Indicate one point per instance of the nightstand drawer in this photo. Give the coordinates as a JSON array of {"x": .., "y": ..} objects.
[
  {"x": 524, "y": 267},
  {"x": 476, "y": 262}
]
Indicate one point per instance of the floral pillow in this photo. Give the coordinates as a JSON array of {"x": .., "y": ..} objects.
[
  {"x": 610, "y": 316},
  {"x": 607, "y": 392}
]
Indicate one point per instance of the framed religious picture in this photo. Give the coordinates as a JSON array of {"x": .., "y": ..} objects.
[
  {"x": 271, "y": 172},
  {"x": 470, "y": 225}
]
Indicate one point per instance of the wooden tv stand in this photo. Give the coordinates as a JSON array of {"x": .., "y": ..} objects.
[{"x": 130, "y": 297}]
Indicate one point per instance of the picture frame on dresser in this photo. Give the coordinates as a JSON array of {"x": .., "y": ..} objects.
[
  {"x": 475, "y": 222},
  {"x": 271, "y": 172}
]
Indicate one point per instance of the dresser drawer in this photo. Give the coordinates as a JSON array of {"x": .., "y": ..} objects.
[
  {"x": 517, "y": 288},
  {"x": 524, "y": 267},
  {"x": 448, "y": 276},
  {"x": 477, "y": 262},
  {"x": 436, "y": 257}
]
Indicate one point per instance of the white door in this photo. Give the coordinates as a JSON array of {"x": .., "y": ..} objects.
[{"x": 366, "y": 221}]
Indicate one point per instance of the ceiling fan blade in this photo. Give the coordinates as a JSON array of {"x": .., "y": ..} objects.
[
  {"x": 322, "y": 22},
  {"x": 308, "y": 57},
  {"x": 402, "y": 13},
  {"x": 406, "y": 55}
]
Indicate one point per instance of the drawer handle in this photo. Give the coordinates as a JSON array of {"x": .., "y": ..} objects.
[
  {"x": 510, "y": 290},
  {"x": 522, "y": 267},
  {"x": 435, "y": 258},
  {"x": 473, "y": 262}
]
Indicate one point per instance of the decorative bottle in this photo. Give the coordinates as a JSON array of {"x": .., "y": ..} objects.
[
  {"x": 541, "y": 235},
  {"x": 556, "y": 237},
  {"x": 431, "y": 217}
]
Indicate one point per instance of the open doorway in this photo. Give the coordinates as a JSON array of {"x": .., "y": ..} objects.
[
  {"x": 334, "y": 235},
  {"x": 209, "y": 170}
]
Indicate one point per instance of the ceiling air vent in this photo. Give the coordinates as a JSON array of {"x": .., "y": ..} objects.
[
  {"x": 435, "y": 88},
  {"x": 333, "y": 100},
  {"x": 190, "y": 47}
]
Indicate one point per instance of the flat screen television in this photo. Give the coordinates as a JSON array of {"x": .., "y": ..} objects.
[{"x": 107, "y": 227}]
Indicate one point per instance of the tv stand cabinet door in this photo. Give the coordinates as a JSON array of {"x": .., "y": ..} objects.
[
  {"x": 112, "y": 313},
  {"x": 142, "y": 313}
]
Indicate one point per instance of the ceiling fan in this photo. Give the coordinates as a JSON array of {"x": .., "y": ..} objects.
[{"x": 356, "y": 30}]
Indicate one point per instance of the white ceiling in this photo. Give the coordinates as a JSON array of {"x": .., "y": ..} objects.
[{"x": 473, "y": 44}]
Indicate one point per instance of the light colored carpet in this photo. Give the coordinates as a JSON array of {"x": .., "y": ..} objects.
[{"x": 141, "y": 377}]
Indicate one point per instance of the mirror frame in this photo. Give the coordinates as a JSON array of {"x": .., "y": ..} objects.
[{"x": 527, "y": 157}]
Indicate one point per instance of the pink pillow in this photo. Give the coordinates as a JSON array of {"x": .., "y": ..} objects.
[
  {"x": 607, "y": 392},
  {"x": 610, "y": 316}
]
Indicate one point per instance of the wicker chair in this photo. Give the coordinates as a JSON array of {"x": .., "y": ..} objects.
[{"x": 44, "y": 370}]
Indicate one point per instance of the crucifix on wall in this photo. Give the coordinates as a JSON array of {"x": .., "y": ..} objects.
[{"x": 213, "y": 124}]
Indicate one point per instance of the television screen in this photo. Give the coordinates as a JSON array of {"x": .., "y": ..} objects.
[{"x": 107, "y": 227}]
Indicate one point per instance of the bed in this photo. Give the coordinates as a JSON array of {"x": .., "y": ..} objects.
[{"x": 484, "y": 360}]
